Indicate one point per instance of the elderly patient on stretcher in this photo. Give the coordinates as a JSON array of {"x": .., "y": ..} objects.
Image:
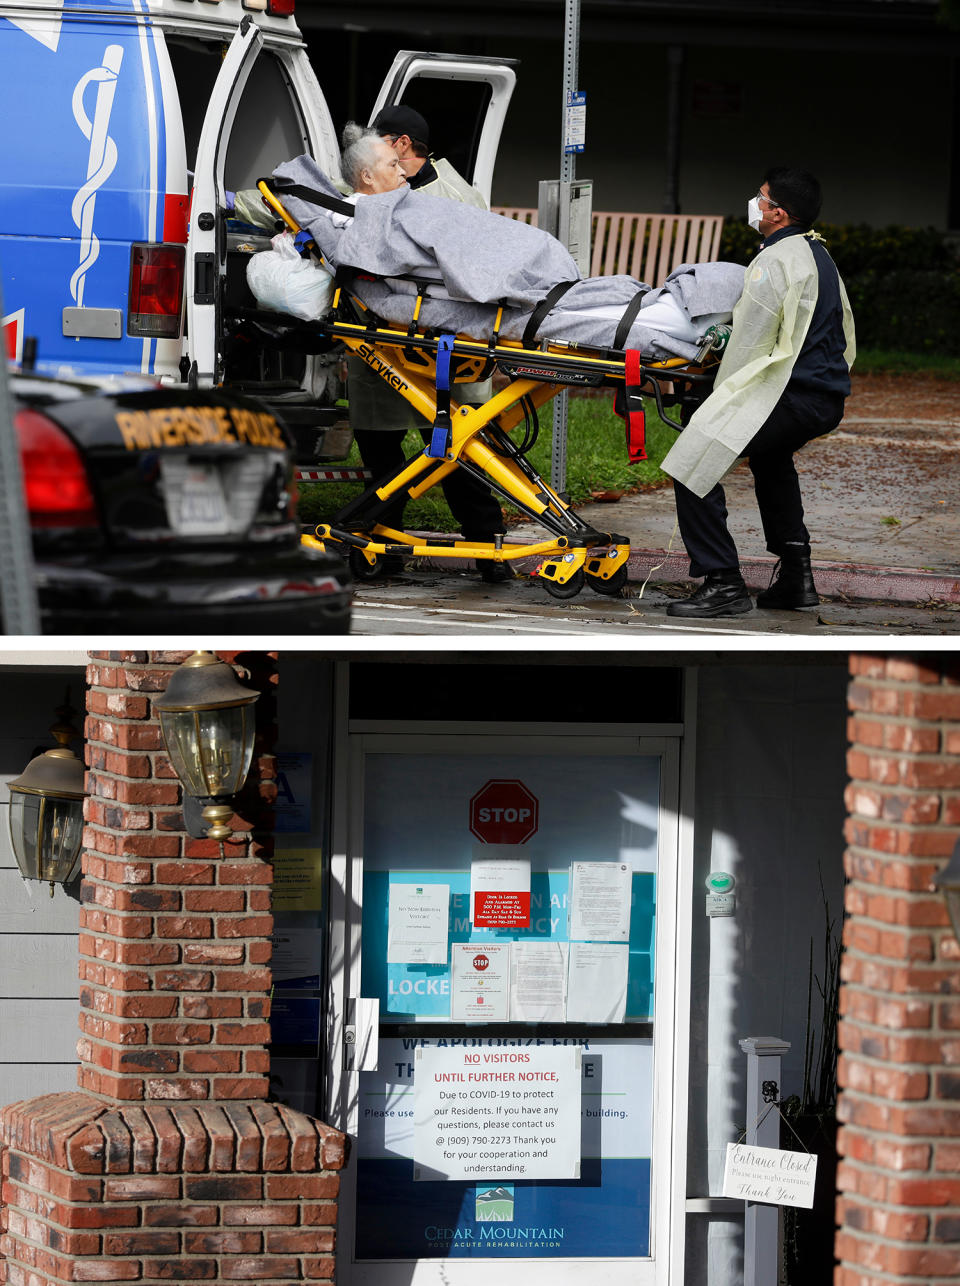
[{"x": 478, "y": 262}]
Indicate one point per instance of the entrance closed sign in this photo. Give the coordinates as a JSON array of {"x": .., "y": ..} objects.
[
  {"x": 770, "y": 1174},
  {"x": 496, "y": 1113}
]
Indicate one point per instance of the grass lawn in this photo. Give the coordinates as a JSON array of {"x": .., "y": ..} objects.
[
  {"x": 596, "y": 461},
  {"x": 877, "y": 361},
  {"x": 596, "y": 454}
]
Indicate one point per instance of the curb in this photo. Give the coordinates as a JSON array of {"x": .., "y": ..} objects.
[
  {"x": 861, "y": 581},
  {"x": 834, "y": 580}
]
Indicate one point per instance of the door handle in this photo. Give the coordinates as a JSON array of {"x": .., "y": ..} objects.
[
  {"x": 361, "y": 1034},
  {"x": 204, "y": 278}
]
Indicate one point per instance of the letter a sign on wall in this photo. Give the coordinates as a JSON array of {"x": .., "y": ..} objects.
[{"x": 503, "y": 812}]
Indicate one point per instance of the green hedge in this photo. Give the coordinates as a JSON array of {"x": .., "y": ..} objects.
[
  {"x": 857, "y": 248},
  {"x": 903, "y": 283},
  {"x": 909, "y": 309}
]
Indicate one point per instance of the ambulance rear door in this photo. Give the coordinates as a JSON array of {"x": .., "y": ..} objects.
[
  {"x": 265, "y": 107},
  {"x": 205, "y": 252},
  {"x": 463, "y": 99}
]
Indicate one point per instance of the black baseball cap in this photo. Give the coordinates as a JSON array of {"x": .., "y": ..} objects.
[{"x": 402, "y": 120}]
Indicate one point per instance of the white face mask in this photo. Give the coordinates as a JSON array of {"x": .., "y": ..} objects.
[{"x": 753, "y": 213}]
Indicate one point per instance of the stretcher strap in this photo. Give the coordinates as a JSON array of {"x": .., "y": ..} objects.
[
  {"x": 549, "y": 301},
  {"x": 444, "y": 350},
  {"x": 440, "y": 437},
  {"x": 285, "y": 187},
  {"x": 346, "y": 276},
  {"x": 495, "y": 333},
  {"x": 628, "y": 404},
  {"x": 628, "y": 318},
  {"x": 415, "y": 319}
]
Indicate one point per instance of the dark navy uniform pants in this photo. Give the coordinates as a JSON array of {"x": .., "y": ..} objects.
[
  {"x": 799, "y": 416},
  {"x": 473, "y": 506}
]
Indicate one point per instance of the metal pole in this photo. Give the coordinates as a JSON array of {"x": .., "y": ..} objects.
[
  {"x": 671, "y": 195},
  {"x": 568, "y": 172},
  {"x": 571, "y": 61},
  {"x": 761, "y": 1236},
  {"x": 19, "y": 594}
]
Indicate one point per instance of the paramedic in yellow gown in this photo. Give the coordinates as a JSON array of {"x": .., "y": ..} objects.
[
  {"x": 783, "y": 380},
  {"x": 379, "y": 416}
]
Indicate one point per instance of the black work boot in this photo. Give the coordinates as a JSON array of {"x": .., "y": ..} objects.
[
  {"x": 792, "y": 582},
  {"x": 721, "y": 594},
  {"x": 492, "y": 572}
]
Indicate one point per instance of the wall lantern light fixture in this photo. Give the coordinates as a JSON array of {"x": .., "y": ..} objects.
[
  {"x": 206, "y": 717},
  {"x": 948, "y": 882},
  {"x": 46, "y": 810}
]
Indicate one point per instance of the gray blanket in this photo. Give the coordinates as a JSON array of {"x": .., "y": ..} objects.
[{"x": 480, "y": 260}]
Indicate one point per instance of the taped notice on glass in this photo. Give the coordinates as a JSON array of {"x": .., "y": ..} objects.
[
  {"x": 599, "y": 905},
  {"x": 480, "y": 982},
  {"x": 417, "y": 924},
  {"x": 492, "y": 1114},
  {"x": 500, "y": 893},
  {"x": 538, "y": 978},
  {"x": 769, "y": 1175},
  {"x": 597, "y": 982}
]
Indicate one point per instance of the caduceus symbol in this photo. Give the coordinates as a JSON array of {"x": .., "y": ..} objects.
[{"x": 100, "y": 162}]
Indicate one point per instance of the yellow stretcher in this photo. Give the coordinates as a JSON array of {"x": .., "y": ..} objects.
[{"x": 478, "y": 439}]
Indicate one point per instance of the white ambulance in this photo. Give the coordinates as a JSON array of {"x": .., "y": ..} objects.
[{"x": 129, "y": 124}]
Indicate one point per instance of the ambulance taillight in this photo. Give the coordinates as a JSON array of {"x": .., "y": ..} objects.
[
  {"x": 156, "y": 290},
  {"x": 279, "y": 8}
]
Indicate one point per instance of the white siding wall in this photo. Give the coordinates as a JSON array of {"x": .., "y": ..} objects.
[{"x": 38, "y": 933}]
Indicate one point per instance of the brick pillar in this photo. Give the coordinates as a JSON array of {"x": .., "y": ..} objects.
[
  {"x": 168, "y": 1163},
  {"x": 899, "y": 1038},
  {"x": 174, "y": 938}
]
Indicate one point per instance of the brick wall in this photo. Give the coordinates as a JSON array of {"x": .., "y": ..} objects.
[
  {"x": 899, "y": 1108},
  {"x": 168, "y": 1163}
]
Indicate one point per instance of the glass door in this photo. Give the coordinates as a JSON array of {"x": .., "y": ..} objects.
[{"x": 506, "y": 986}]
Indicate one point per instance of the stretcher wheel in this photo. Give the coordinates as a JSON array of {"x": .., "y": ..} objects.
[
  {"x": 612, "y": 585},
  {"x": 569, "y": 589},
  {"x": 364, "y": 570}
]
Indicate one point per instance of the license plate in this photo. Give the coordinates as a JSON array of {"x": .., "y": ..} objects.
[{"x": 196, "y": 504}]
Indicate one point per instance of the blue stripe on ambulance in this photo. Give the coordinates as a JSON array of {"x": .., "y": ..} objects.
[{"x": 84, "y": 180}]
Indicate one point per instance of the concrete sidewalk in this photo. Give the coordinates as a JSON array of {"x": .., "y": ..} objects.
[{"x": 882, "y": 502}]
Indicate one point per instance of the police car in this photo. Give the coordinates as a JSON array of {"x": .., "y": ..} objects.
[{"x": 163, "y": 508}]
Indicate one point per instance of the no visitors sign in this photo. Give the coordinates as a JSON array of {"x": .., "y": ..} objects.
[{"x": 497, "y": 1113}]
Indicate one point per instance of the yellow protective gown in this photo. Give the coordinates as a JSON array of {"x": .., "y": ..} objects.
[
  {"x": 450, "y": 184},
  {"x": 770, "y": 323}
]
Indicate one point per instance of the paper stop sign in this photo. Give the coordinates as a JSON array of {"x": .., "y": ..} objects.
[{"x": 503, "y": 812}]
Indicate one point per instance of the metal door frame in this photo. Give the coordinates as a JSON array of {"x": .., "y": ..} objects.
[{"x": 674, "y": 744}]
